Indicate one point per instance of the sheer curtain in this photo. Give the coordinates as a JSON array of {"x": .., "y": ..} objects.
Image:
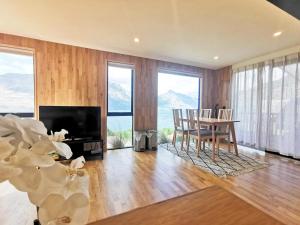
[{"x": 266, "y": 99}]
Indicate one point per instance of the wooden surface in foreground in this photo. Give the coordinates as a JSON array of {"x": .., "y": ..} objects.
[{"x": 210, "y": 206}]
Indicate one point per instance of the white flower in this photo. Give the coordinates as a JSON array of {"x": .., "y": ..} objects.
[
  {"x": 62, "y": 180},
  {"x": 61, "y": 192},
  {"x": 28, "y": 180},
  {"x": 7, "y": 171},
  {"x": 63, "y": 149},
  {"x": 77, "y": 163},
  {"x": 58, "y": 136},
  {"x": 28, "y": 131},
  {"x": 6, "y": 148},
  {"x": 72, "y": 211},
  {"x": 53, "y": 180}
]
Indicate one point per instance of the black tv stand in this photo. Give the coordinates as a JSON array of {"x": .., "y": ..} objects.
[{"x": 90, "y": 149}]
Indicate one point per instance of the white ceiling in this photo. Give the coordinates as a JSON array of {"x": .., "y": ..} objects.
[{"x": 185, "y": 31}]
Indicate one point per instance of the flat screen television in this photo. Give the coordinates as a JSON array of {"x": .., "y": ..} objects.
[{"x": 82, "y": 123}]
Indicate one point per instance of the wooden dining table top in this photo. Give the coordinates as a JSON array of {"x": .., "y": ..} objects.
[{"x": 210, "y": 206}]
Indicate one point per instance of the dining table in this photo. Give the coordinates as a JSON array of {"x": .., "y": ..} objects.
[{"x": 215, "y": 122}]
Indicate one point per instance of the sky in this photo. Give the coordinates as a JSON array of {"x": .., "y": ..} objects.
[
  {"x": 12, "y": 100},
  {"x": 166, "y": 81},
  {"x": 121, "y": 76},
  {"x": 178, "y": 83},
  {"x": 15, "y": 63}
]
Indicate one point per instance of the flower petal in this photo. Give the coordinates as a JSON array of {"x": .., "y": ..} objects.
[
  {"x": 53, "y": 181},
  {"x": 7, "y": 171},
  {"x": 77, "y": 163},
  {"x": 43, "y": 147},
  {"x": 28, "y": 180},
  {"x": 58, "y": 136},
  {"x": 25, "y": 157},
  {"x": 63, "y": 149},
  {"x": 6, "y": 148}
]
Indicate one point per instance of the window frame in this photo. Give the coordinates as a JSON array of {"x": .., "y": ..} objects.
[
  {"x": 121, "y": 114},
  {"x": 28, "y": 52}
]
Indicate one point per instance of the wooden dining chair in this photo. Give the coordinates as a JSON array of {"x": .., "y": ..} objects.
[
  {"x": 179, "y": 127},
  {"x": 205, "y": 113},
  {"x": 195, "y": 131},
  {"x": 224, "y": 132}
]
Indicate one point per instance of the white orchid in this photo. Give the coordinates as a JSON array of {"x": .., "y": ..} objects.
[
  {"x": 57, "y": 210},
  {"x": 25, "y": 161},
  {"x": 58, "y": 136},
  {"x": 28, "y": 131}
]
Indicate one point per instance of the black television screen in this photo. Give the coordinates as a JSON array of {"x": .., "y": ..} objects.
[{"x": 81, "y": 122}]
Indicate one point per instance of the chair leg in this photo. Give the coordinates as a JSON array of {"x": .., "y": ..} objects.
[
  {"x": 174, "y": 138},
  {"x": 198, "y": 147},
  {"x": 203, "y": 147},
  {"x": 218, "y": 145},
  {"x": 188, "y": 143},
  {"x": 182, "y": 140},
  {"x": 229, "y": 144}
]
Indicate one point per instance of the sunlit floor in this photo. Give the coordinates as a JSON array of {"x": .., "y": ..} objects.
[{"x": 125, "y": 180}]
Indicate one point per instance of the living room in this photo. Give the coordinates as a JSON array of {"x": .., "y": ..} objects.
[{"x": 149, "y": 112}]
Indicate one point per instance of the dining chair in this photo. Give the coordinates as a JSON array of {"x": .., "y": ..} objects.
[
  {"x": 179, "y": 127},
  {"x": 195, "y": 131},
  {"x": 205, "y": 113},
  {"x": 224, "y": 132}
]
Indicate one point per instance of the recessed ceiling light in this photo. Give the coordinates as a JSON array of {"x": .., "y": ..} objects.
[
  {"x": 278, "y": 33},
  {"x": 136, "y": 40},
  {"x": 216, "y": 57}
]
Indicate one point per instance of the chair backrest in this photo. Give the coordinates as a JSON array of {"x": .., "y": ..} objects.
[
  {"x": 205, "y": 113},
  {"x": 192, "y": 119},
  {"x": 178, "y": 119},
  {"x": 225, "y": 114}
]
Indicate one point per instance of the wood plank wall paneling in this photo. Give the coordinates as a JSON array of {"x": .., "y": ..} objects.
[
  {"x": 69, "y": 75},
  {"x": 222, "y": 79}
]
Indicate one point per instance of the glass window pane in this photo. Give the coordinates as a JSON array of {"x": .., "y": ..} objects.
[
  {"x": 119, "y": 89},
  {"x": 16, "y": 83},
  {"x": 174, "y": 91},
  {"x": 119, "y": 132}
]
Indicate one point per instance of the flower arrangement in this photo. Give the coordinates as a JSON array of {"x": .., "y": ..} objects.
[{"x": 60, "y": 192}]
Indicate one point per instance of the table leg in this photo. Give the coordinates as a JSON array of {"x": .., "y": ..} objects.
[
  {"x": 232, "y": 130},
  {"x": 213, "y": 144}
]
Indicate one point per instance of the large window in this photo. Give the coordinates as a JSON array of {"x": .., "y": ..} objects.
[
  {"x": 175, "y": 91},
  {"x": 16, "y": 83},
  {"x": 120, "y": 106},
  {"x": 266, "y": 100}
]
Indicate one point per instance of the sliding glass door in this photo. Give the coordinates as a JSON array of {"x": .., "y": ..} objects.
[
  {"x": 266, "y": 100},
  {"x": 175, "y": 91},
  {"x": 120, "y": 106}
]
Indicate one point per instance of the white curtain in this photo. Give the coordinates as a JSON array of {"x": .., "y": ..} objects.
[{"x": 265, "y": 97}]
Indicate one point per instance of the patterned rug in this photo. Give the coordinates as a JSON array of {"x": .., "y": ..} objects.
[{"x": 226, "y": 164}]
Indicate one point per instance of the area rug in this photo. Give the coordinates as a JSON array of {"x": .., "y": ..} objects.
[{"x": 226, "y": 163}]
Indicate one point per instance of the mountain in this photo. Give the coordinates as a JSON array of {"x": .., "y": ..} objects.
[
  {"x": 172, "y": 99},
  {"x": 118, "y": 98}
]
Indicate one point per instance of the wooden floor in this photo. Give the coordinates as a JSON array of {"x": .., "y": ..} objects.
[
  {"x": 126, "y": 180},
  {"x": 204, "y": 207}
]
